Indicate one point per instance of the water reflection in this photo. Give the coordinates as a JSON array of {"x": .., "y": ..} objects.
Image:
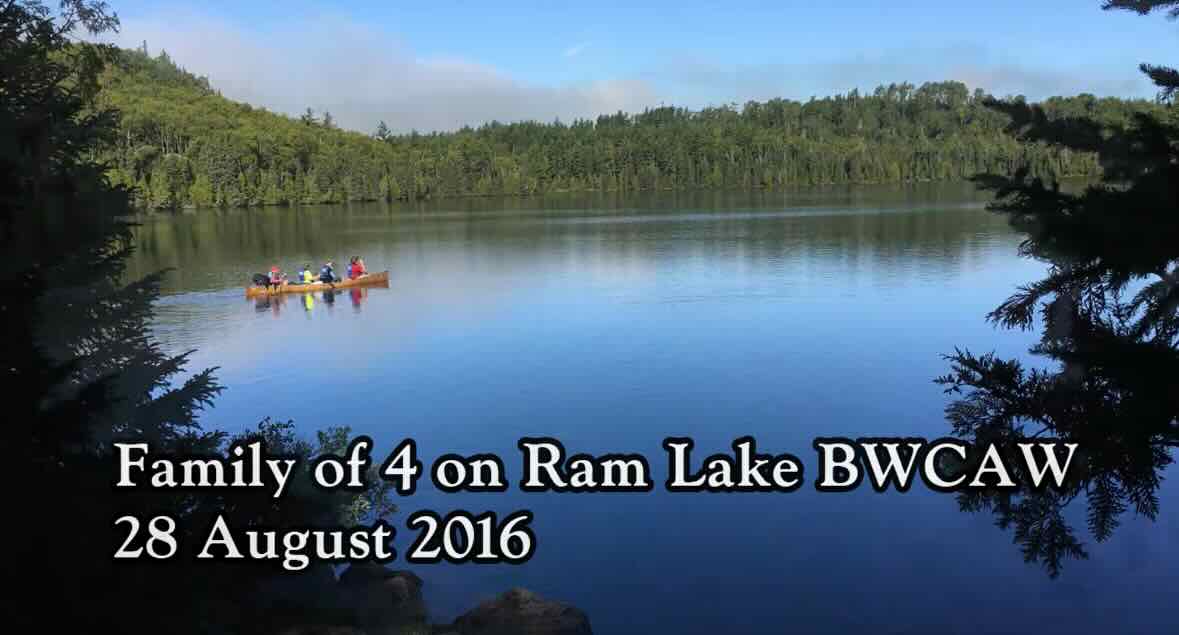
[
  {"x": 1107, "y": 359},
  {"x": 784, "y": 317},
  {"x": 275, "y": 303},
  {"x": 876, "y": 231}
]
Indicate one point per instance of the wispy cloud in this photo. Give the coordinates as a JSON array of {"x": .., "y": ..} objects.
[
  {"x": 692, "y": 79},
  {"x": 575, "y": 50},
  {"x": 363, "y": 76}
]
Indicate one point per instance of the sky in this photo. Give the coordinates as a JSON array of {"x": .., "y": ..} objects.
[{"x": 442, "y": 64}]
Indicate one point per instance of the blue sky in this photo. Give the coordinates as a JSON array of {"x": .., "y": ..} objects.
[{"x": 438, "y": 65}]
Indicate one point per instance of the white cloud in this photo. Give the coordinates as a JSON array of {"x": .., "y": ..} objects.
[
  {"x": 691, "y": 79},
  {"x": 362, "y": 76},
  {"x": 575, "y": 50}
]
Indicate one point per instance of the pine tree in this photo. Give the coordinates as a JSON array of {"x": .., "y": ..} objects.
[
  {"x": 79, "y": 347},
  {"x": 1110, "y": 313},
  {"x": 308, "y": 118},
  {"x": 382, "y": 132}
]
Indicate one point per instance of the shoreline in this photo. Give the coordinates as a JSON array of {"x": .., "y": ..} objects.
[{"x": 148, "y": 212}]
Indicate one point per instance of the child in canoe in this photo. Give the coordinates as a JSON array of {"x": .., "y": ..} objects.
[
  {"x": 276, "y": 278},
  {"x": 305, "y": 276}
]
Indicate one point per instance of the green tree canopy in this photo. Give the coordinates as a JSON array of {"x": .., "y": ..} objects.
[{"x": 248, "y": 156}]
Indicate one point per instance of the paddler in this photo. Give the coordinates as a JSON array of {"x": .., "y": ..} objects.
[
  {"x": 355, "y": 268},
  {"x": 326, "y": 273},
  {"x": 305, "y": 275},
  {"x": 276, "y": 278}
]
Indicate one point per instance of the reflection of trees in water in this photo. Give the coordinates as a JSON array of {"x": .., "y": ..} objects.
[
  {"x": 1109, "y": 313},
  {"x": 873, "y": 229}
]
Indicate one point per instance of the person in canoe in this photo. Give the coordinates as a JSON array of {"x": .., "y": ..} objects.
[
  {"x": 276, "y": 278},
  {"x": 327, "y": 273},
  {"x": 356, "y": 268},
  {"x": 305, "y": 275}
]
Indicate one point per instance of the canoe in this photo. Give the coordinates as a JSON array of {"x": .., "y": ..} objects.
[{"x": 372, "y": 279}]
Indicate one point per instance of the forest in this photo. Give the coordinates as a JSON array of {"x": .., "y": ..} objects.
[{"x": 181, "y": 144}]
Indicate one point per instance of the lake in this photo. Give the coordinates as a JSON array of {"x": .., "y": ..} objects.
[{"x": 612, "y": 323}]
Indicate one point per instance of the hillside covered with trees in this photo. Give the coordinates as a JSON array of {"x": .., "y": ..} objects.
[{"x": 181, "y": 143}]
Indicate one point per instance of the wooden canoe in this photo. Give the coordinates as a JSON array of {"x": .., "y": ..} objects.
[{"x": 372, "y": 279}]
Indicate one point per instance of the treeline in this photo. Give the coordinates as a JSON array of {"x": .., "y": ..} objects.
[{"x": 181, "y": 143}]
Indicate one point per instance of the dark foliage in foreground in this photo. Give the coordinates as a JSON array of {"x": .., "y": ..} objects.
[
  {"x": 1108, "y": 311},
  {"x": 84, "y": 371}
]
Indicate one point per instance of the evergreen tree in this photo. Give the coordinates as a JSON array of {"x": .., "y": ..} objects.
[
  {"x": 383, "y": 133},
  {"x": 1109, "y": 309},
  {"x": 308, "y": 118},
  {"x": 897, "y": 134},
  {"x": 88, "y": 372}
]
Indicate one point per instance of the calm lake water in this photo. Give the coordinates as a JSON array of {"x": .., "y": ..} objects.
[{"x": 611, "y": 324}]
